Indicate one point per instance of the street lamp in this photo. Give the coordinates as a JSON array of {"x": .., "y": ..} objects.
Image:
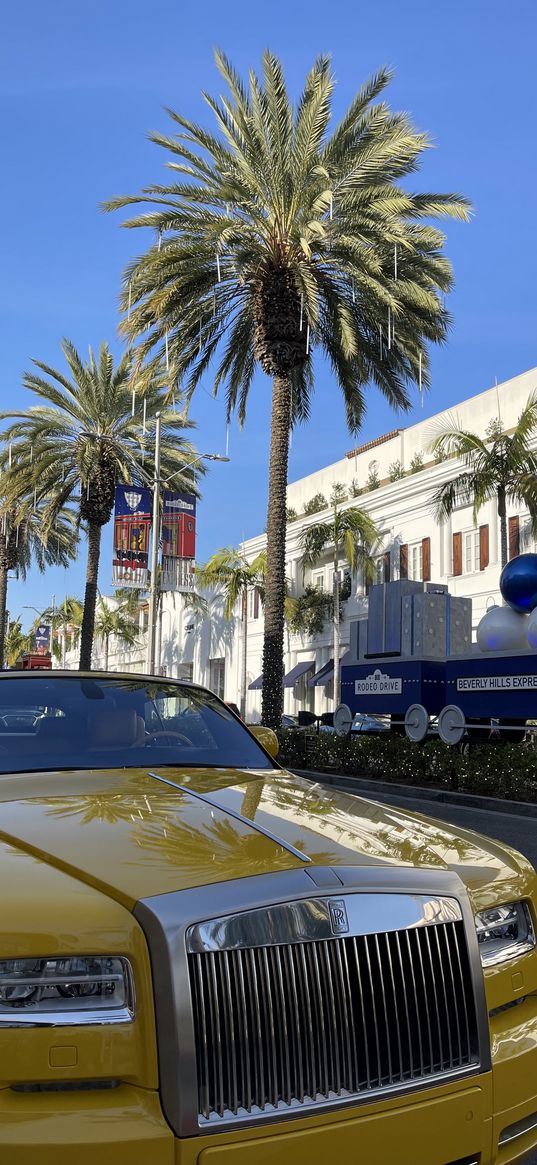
[
  {"x": 155, "y": 544},
  {"x": 157, "y": 483},
  {"x": 49, "y": 622}
]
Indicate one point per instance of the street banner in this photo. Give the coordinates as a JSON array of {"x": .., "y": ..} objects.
[
  {"x": 178, "y": 541},
  {"x": 132, "y": 523},
  {"x": 42, "y": 639}
]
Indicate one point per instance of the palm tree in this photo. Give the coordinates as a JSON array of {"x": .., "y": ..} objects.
[
  {"x": 349, "y": 532},
  {"x": 29, "y": 536},
  {"x": 115, "y": 621},
  {"x": 502, "y": 466},
  {"x": 234, "y": 576},
  {"x": 93, "y": 429},
  {"x": 280, "y": 235},
  {"x": 15, "y": 643}
]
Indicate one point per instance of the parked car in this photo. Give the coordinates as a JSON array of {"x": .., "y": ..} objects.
[
  {"x": 363, "y": 724},
  {"x": 207, "y": 959}
]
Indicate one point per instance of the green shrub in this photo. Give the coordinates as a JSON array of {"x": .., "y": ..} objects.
[
  {"x": 493, "y": 770},
  {"x": 396, "y": 471},
  {"x": 417, "y": 463},
  {"x": 317, "y": 503},
  {"x": 373, "y": 479}
]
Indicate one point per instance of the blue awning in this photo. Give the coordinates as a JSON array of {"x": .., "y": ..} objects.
[
  {"x": 256, "y": 684},
  {"x": 301, "y": 669},
  {"x": 323, "y": 676}
]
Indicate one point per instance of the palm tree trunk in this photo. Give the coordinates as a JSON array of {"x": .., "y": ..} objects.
[
  {"x": 251, "y": 799},
  {"x": 272, "y": 707},
  {"x": 502, "y": 514},
  {"x": 3, "y": 609},
  {"x": 90, "y": 596},
  {"x": 244, "y": 660},
  {"x": 337, "y": 633},
  {"x": 106, "y": 646}
]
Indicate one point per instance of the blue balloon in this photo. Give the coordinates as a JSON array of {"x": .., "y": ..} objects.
[{"x": 518, "y": 583}]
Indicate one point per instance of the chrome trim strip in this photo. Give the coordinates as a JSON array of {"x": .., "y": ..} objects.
[
  {"x": 235, "y": 814},
  {"x": 69, "y": 1018},
  {"x": 310, "y": 919},
  {"x": 519, "y": 1129}
]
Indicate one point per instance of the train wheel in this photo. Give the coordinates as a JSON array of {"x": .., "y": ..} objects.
[
  {"x": 416, "y": 722},
  {"x": 451, "y": 724}
]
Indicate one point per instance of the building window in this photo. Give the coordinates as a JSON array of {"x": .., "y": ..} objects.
[
  {"x": 185, "y": 671},
  {"x": 471, "y": 557},
  {"x": 527, "y": 541},
  {"x": 253, "y": 603},
  {"x": 217, "y": 676},
  {"x": 318, "y": 581},
  {"x": 415, "y": 561},
  {"x": 379, "y": 569}
]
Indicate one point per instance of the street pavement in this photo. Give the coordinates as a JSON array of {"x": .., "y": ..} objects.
[{"x": 515, "y": 830}]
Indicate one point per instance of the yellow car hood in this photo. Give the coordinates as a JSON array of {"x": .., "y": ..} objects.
[{"x": 132, "y": 836}]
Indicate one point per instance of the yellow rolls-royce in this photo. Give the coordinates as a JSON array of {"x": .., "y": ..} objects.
[{"x": 205, "y": 959}]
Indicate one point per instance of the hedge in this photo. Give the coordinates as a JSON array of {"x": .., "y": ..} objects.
[{"x": 495, "y": 770}]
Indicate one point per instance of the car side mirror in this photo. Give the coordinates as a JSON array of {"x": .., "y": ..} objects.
[{"x": 266, "y": 737}]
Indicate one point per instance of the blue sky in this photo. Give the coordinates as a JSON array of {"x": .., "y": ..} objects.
[{"x": 81, "y": 86}]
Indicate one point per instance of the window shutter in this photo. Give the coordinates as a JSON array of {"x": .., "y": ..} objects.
[
  {"x": 514, "y": 536},
  {"x": 483, "y": 547},
  {"x": 457, "y": 554},
  {"x": 387, "y": 559},
  {"x": 426, "y": 559},
  {"x": 403, "y": 560}
]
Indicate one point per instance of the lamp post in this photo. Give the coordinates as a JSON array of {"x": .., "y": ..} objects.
[
  {"x": 49, "y": 622},
  {"x": 155, "y": 541}
]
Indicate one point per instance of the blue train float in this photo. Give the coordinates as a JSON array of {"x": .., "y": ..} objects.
[{"x": 413, "y": 659}]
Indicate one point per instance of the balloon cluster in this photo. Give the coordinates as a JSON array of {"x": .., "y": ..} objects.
[{"x": 513, "y": 627}]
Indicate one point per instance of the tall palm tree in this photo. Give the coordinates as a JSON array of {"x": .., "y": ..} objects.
[
  {"x": 230, "y": 572},
  {"x": 29, "y": 536},
  {"x": 116, "y": 621},
  {"x": 280, "y": 235},
  {"x": 502, "y": 465},
  {"x": 350, "y": 533},
  {"x": 94, "y": 428}
]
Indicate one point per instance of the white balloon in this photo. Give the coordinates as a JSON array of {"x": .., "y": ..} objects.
[
  {"x": 503, "y": 629},
  {"x": 532, "y": 628}
]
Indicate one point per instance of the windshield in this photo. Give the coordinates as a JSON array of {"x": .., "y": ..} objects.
[{"x": 65, "y": 722}]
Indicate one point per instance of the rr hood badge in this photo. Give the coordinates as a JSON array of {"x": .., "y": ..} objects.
[{"x": 338, "y": 916}]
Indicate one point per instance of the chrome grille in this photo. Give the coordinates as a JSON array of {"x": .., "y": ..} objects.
[{"x": 306, "y": 1022}]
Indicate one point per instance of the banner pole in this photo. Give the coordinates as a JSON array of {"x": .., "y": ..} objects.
[{"x": 155, "y": 542}]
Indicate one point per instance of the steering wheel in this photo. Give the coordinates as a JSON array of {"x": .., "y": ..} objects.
[{"x": 177, "y": 736}]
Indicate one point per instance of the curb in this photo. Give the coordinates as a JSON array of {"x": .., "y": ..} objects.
[{"x": 360, "y": 785}]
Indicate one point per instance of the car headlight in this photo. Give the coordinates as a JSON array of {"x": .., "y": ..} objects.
[
  {"x": 504, "y": 932},
  {"x": 75, "y": 990}
]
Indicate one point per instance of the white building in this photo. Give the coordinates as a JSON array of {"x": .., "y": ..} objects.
[{"x": 455, "y": 552}]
